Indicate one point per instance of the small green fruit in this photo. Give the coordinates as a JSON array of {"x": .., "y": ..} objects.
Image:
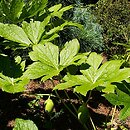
[
  {"x": 49, "y": 105},
  {"x": 83, "y": 113}
]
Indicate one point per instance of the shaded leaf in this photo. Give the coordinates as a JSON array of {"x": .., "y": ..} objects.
[
  {"x": 120, "y": 98},
  {"x": 12, "y": 85},
  {"x": 21, "y": 124},
  {"x": 32, "y": 8},
  {"x": 16, "y": 9}
]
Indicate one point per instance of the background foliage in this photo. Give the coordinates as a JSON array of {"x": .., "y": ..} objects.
[{"x": 114, "y": 17}]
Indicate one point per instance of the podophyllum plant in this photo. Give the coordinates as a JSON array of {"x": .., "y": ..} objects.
[
  {"x": 36, "y": 32},
  {"x": 49, "y": 61},
  {"x": 15, "y": 11},
  {"x": 28, "y": 34},
  {"x": 11, "y": 72},
  {"x": 95, "y": 75}
]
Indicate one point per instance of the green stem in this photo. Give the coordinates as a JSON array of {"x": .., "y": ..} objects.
[
  {"x": 89, "y": 96},
  {"x": 85, "y": 127},
  {"x": 62, "y": 100},
  {"x": 70, "y": 101},
  {"x": 79, "y": 97},
  {"x": 65, "y": 104},
  {"x": 92, "y": 123},
  {"x": 45, "y": 95},
  {"x": 113, "y": 114}
]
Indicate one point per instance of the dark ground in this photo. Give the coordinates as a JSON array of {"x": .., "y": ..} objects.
[{"x": 16, "y": 106}]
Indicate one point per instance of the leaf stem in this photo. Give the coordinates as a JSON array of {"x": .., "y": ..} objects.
[
  {"x": 92, "y": 123},
  {"x": 113, "y": 114},
  {"x": 62, "y": 100},
  {"x": 85, "y": 127},
  {"x": 70, "y": 101}
]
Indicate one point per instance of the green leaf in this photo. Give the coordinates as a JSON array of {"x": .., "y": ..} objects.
[
  {"x": 120, "y": 98},
  {"x": 32, "y": 8},
  {"x": 12, "y": 9},
  {"x": 55, "y": 8},
  {"x": 38, "y": 69},
  {"x": 69, "y": 52},
  {"x": 45, "y": 59},
  {"x": 125, "y": 112},
  {"x": 65, "y": 85},
  {"x": 21, "y": 124},
  {"x": 16, "y": 9},
  {"x": 48, "y": 61},
  {"x": 61, "y": 27},
  {"x": 56, "y": 29},
  {"x": 51, "y": 38},
  {"x": 58, "y": 12},
  {"x": 12, "y": 85},
  {"x": 5, "y": 7},
  {"x": 81, "y": 83},
  {"x": 94, "y": 73},
  {"x": 33, "y": 30},
  {"x": 14, "y": 33},
  {"x": 47, "y": 54},
  {"x": 83, "y": 113},
  {"x": 94, "y": 61}
]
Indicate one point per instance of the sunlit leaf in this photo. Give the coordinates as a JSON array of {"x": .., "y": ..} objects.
[{"x": 14, "y": 33}]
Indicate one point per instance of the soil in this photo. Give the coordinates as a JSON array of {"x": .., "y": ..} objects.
[{"x": 20, "y": 105}]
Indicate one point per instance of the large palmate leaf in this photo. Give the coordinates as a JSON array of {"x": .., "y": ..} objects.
[
  {"x": 47, "y": 54},
  {"x": 120, "y": 98},
  {"x": 13, "y": 85},
  {"x": 95, "y": 74},
  {"x": 48, "y": 61},
  {"x": 68, "y": 53},
  {"x": 33, "y": 30},
  {"x": 14, "y": 33},
  {"x": 21, "y": 124}
]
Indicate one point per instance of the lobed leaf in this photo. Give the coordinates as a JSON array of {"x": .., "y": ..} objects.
[
  {"x": 33, "y": 30},
  {"x": 12, "y": 85},
  {"x": 21, "y": 124},
  {"x": 47, "y": 54},
  {"x": 94, "y": 73},
  {"x": 120, "y": 98},
  {"x": 14, "y": 33},
  {"x": 48, "y": 62},
  {"x": 69, "y": 52}
]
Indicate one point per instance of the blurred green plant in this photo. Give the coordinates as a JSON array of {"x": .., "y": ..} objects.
[
  {"x": 90, "y": 37},
  {"x": 114, "y": 17},
  {"x": 13, "y": 11}
]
